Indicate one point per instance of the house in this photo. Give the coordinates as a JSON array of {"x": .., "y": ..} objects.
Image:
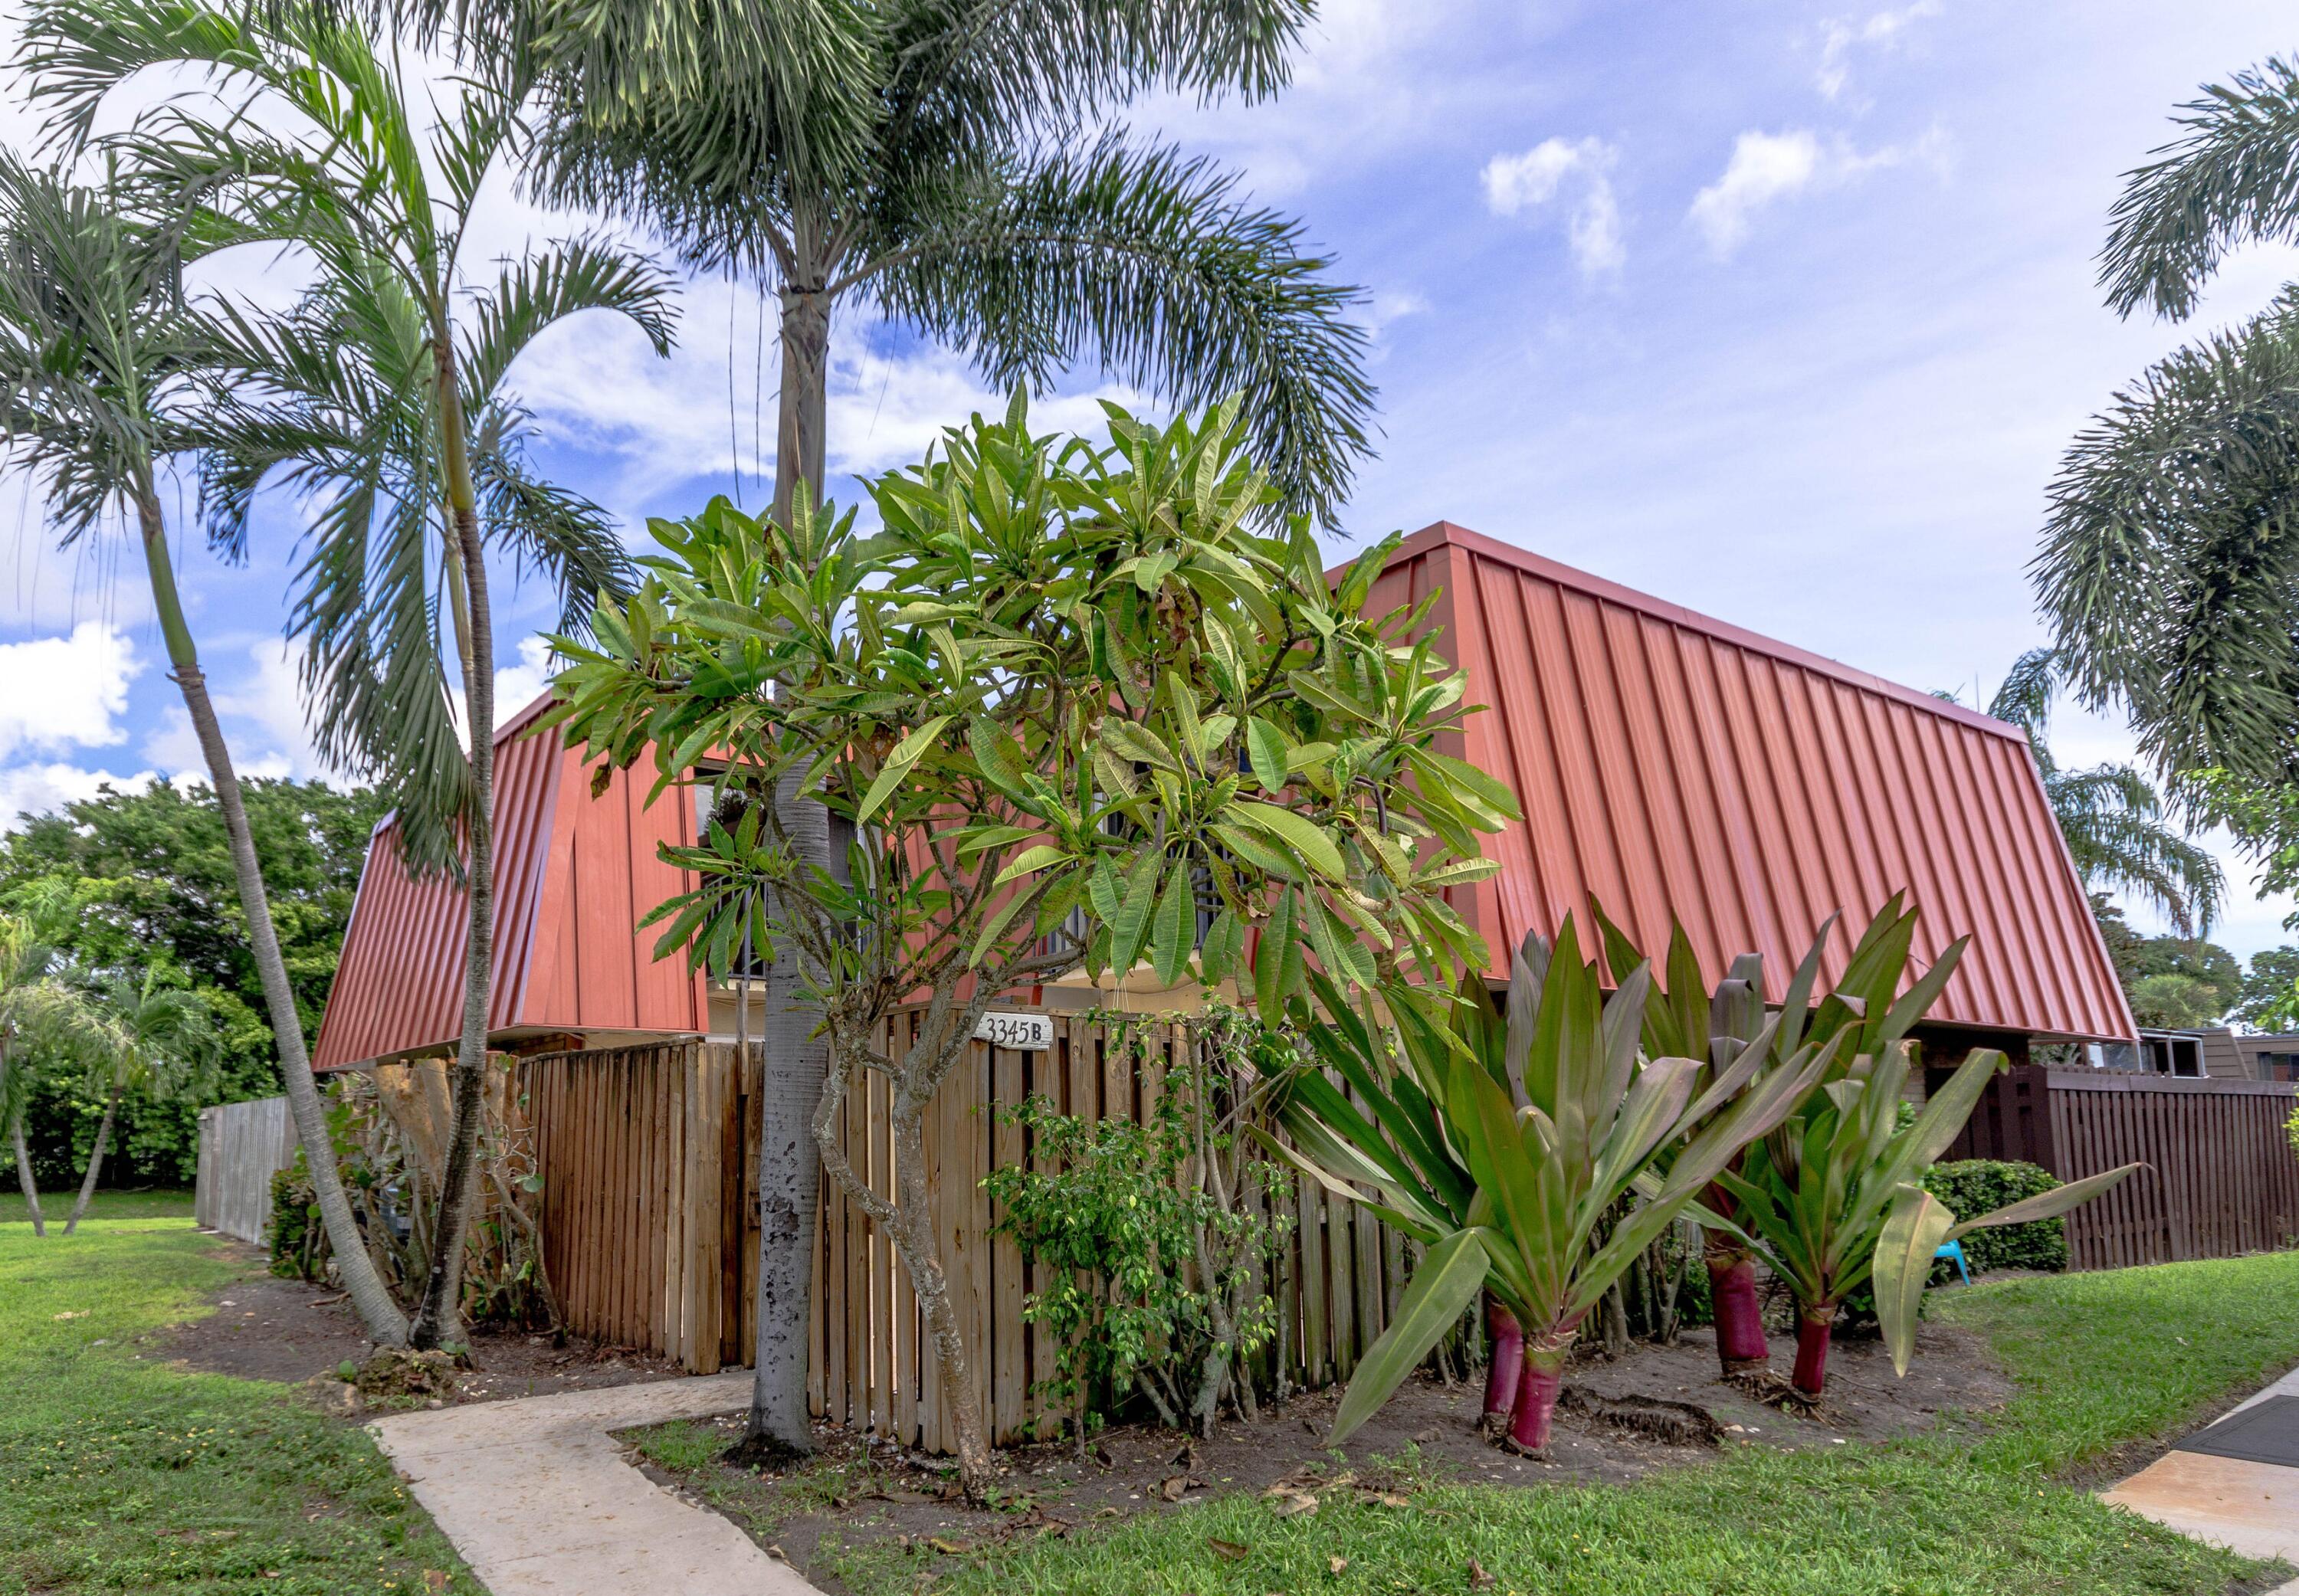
[
  {"x": 2214, "y": 1051},
  {"x": 1666, "y": 763}
]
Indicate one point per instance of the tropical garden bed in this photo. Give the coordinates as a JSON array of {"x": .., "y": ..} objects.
[{"x": 1973, "y": 1475}]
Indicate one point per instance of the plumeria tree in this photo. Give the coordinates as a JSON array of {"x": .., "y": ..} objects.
[{"x": 1073, "y": 708}]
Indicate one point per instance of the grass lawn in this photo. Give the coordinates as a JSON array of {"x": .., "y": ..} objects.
[
  {"x": 118, "y": 1474},
  {"x": 163, "y": 1203},
  {"x": 1984, "y": 1506}
]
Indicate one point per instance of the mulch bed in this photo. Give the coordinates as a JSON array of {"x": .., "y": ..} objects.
[
  {"x": 858, "y": 1493},
  {"x": 268, "y": 1329}
]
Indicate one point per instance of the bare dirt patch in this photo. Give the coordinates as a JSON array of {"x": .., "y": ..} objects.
[
  {"x": 858, "y": 1492},
  {"x": 267, "y": 1329}
]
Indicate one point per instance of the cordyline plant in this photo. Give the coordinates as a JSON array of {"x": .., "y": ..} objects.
[
  {"x": 1553, "y": 1139},
  {"x": 1071, "y": 704},
  {"x": 1866, "y": 1006},
  {"x": 1833, "y": 1200},
  {"x": 1377, "y": 1115}
]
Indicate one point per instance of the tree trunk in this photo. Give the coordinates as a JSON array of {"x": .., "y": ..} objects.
[
  {"x": 1814, "y": 1325},
  {"x": 377, "y": 1311},
  {"x": 1740, "y": 1343},
  {"x": 908, "y": 1223},
  {"x": 1505, "y": 1370},
  {"x": 24, "y": 1174},
  {"x": 438, "y": 1321},
  {"x": 800, "y": 447},
  {"x": 96, "y": 1157},
  {"x": 913, "y": 1232},
  {"x": 1536, "y": 1400},
  {"x": 795, "y": 1058}
]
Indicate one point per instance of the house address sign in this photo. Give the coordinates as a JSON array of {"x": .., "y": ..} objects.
[{"x": 1030, "y": 1033}]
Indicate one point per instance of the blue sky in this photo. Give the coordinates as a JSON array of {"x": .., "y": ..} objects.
[{"x": 1782, "y": 311}]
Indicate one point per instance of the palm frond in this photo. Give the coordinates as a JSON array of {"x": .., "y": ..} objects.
[
  {"x": 2171, "y": 553},
  {"x": 1154, "y": 264},
  {"x": 2225, "y": 181}
]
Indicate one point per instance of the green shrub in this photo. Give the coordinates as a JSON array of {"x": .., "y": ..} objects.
[
  {"x": 295, "y": 1232},
  {"x": 1975, "y": 1185}
]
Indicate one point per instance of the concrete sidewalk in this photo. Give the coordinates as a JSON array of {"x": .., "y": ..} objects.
[
  {"x": 2252, "y": 1508},
  {"x": 539, "y": 1500}
]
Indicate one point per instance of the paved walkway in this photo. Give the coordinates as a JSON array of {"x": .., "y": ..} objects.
[
  {"x": 539, "y": 1500},
  {"x": 2252, "y": 1508}
]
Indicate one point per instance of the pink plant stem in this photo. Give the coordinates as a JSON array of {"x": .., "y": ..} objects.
[
  {"x": 1812, "y": 1326},
  {"x": 1740, "y": 1322},
  {"x": 1536, "y": 1401},
  {"x": 1509, "y": 1359}
]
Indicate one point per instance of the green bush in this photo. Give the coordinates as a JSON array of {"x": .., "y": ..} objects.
[
  {"x": 296, "y": 1231},
  {"x": 1978, "y": 1185}
]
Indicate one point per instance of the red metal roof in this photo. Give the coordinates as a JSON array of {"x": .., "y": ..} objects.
[
  {"x": 574, "y": 875},
  {"x": 1669, "y": 762}
]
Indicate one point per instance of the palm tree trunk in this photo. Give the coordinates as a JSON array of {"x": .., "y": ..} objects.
[
  {"x": 800, "y": 447},
  {"x": 377, "y": 1311},
  {"x": 96, "y": 1156},
  {"x": 438, "y": 1319},
  {"x": 795, "y": 1059}
]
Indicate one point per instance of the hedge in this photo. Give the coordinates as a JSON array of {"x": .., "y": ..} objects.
[{"x": 1979, "y": 1185}]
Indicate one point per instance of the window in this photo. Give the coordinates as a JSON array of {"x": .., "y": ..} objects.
[
  {"x": 2173, "y": 1055},
  {"x": 2279, "y": 1066}
]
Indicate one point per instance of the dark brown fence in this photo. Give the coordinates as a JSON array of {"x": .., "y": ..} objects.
[
  {"x": 2221, "y": 1180},
  {"x": 651, "y": 1229}
]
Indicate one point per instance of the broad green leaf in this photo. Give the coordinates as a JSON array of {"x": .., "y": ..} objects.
[
  {"x": 1913, "y": 1232},
  {"x": 999, "y": 755},
  {"x": 906, "y": 754},
  {"x": 2045, "y": 1206},
  {"x": 1224, "y": 951},
  {"x": 1266, "y": 745},
  {"x": 1304, "y": 837},
  {"x": 1032, "y": 859},
  {"x": 1175, "y": 927},
  {"x": 1130, "y": 923},
  {"x": 1441, "y": 1291}
]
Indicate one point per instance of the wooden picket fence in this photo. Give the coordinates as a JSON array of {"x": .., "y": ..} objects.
[
  {"x": 650, "y": 1225},
  {"x": 242, "y": 1145},
  {"x": 2221, "y": 1178}
]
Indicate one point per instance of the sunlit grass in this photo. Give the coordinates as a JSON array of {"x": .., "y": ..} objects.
[
  {"x": 120, "y": 1474},
  {"x": 1977, "y": 1509}
]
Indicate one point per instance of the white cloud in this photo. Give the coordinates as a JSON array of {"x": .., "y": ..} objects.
[
  {"x": 1766, "y": 167},
  {"x": 710, "y": 408},
  {"x": 518, "y": 685},
  {"x": 62, "y": 692},
  {"x": 41, "y": 788},
  {"x": 1840, "y": 36},
  {"x": 1578, "y": 169}
]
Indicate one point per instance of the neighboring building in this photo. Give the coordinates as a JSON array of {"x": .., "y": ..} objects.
[
  {"x": 1665, "y": 762},
  {"x": 2214, "y": 1051}
]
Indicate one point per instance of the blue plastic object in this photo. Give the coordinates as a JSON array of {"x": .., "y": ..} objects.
[{"x": 1953, "y": 1251}]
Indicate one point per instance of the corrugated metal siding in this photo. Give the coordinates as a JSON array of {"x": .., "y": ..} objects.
[
  {"x": 1666, "y": 761},
  {"x": 569, "y": 872}
]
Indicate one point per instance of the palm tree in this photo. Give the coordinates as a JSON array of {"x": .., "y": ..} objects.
[
  {"x": 2111, "y": 814},
  {"x": 934, "y": 159},
  {"x": 149, "y": 1036},
  {"x": 937, "y": 162},
  {"x": 384, "y": 396},
  {"x": 95, "y": 336},
  {"x": 2170, "y": 565}
]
